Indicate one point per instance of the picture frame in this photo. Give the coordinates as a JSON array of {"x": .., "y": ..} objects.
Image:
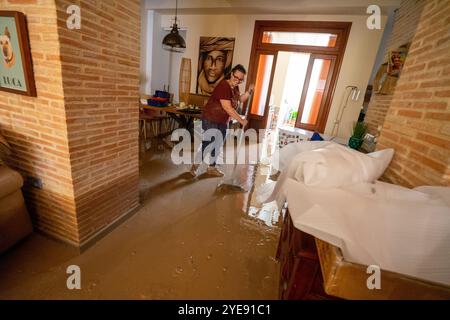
[
  {"x": 396, "y": 60},
  {"x": 389, "y": 72},
  {"x": 214, "y": 62},
  {"x": 16, "y": 69}
]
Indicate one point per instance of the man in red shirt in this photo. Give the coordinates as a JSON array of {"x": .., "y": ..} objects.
[{"x": 217, "y": 113}]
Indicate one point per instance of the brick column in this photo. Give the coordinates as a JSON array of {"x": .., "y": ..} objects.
[
  {"x": 417, "y": 123},
  {"x": 80, "y": 134}
]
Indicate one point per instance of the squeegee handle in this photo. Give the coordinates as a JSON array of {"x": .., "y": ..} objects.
[
  {"x": 241, "y": 136},
  {"x": 249, "y": 100}
]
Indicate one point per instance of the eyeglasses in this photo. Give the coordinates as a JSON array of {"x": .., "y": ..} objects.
[{"x": 237, "y": 78}]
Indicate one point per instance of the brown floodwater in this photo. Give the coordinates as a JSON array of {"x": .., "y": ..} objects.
[{"x": 185, "y": 242}]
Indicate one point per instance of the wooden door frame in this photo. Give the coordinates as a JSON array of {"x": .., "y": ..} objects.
[
  {"x": 263, "y": 118},
  {"x": 342, "y": 29},
  {"x": 321, "y": 117}
]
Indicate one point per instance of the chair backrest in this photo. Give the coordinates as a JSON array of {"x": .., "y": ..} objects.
[{"x": 198, "y": 99}]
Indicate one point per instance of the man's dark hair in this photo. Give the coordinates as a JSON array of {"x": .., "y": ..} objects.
[{"x": 238, "y": 67}]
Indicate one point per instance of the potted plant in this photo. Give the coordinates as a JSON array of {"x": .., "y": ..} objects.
[{"x": 357, "y": 138}]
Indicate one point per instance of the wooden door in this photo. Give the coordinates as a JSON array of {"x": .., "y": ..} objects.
[
  {"x": 265, "y": 66},
  {"x": 271, "y": 37},
  {"x": 316, "y": 92}
]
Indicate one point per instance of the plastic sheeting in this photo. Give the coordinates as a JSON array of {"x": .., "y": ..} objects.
[
  {"x": 333, "y": 194},
  {"x": 327, "y": 164},
  {"x": 398, "y": 229}
]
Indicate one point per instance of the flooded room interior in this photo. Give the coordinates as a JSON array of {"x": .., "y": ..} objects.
[{"x": 224, "y": 150}]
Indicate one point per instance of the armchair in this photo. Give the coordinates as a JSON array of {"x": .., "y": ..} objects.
[{"x": 15, "y": 223}]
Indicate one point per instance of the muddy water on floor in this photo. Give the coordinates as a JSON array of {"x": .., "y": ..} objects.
[{"x": 186, "y": 242}]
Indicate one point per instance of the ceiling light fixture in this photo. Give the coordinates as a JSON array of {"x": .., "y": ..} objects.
[{"x": 173, "y": 41}]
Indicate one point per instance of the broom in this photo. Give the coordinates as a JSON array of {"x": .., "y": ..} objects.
[{"x": 234, "y": 185}]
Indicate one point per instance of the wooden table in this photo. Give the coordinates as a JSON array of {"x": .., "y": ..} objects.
[{"x": 184, "y": 119}]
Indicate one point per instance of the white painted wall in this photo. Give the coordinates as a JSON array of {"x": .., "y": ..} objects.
[
  {"x": 156, "y": 71},
  {"x": 357, "y": 65},
  {"x": 146, "y": 47},
  {"x": 160, "y": 58}
]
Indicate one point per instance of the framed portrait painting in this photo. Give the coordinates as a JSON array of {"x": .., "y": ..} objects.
[
  {"x": 16, "y": 70},
  {"x": 214, "y": 62},
  {"x": 396, "y": 60}
]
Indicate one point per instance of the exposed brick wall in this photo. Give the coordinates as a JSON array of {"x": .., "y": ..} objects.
[
  {"x": 80, "y": 135},
  {"x": 376, "y": 112},
  {"x": 405, "y": 23},
  {"x": 36, "y": 127},
  {"x": 100, "y": 68},
  {"x": 417, "y": 124},
  {"x": 406, "y": 20}
]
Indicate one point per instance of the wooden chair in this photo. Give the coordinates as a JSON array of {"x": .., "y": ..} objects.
[
  {"x": 198, "y": 99},
  {"x": 158, "y": 119}
]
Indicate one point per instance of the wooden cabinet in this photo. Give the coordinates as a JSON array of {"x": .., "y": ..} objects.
[{"x": 300, "y": 274}]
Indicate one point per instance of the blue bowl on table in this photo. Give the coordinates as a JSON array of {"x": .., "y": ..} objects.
[
  {"x": 162, "y": 94},
  {"x": 158, "y": 102}
]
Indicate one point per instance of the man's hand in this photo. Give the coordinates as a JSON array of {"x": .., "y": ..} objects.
[
  {"x": 243, "y": 122},
  {"x": 246, "y": 95}
]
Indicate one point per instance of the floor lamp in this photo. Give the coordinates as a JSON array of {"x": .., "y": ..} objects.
[{"x": 354, "y": 93}]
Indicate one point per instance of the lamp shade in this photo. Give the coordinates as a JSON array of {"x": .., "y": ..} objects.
[{"x": 173, "y": 40}]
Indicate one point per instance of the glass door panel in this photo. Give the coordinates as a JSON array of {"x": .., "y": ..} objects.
[
  {"x": 287, "y": 88},
  {"x": 315, "y": 93},
  {"x": 262, "y": 84},
  {"x": 300, "y": 38}
]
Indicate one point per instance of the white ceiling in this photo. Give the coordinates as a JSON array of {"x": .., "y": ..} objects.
[{"x": 352, "y": 7}]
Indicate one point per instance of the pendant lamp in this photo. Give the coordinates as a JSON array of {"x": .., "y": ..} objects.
[{"x": 174, "y": 41}]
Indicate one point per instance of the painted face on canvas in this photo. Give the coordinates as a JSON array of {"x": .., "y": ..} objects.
[
  {"x": 6, "y": 49},
  {"x": 214, "y": 65}
]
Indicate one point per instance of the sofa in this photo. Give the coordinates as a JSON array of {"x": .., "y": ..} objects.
[{"x": 15, "y": 223}]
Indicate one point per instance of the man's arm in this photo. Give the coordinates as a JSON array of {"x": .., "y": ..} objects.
[
  {"x": 245, "y": 96},
  {"x": 226, "y": 105}
]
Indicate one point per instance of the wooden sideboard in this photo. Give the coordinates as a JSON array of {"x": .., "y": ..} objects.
[
  {"x": 300, "y": 273},
  {"x": 302, "y": 258}
]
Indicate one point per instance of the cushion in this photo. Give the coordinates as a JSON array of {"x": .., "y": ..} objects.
[
  {"x": 10, "y": 181},
  {"x": 384, "y": 157},
  {"x": 336, "y": 165},
  {"x": 5, "y": 149}
]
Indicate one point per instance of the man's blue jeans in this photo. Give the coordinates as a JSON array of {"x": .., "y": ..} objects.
[{"x": 216, "y": 138}]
